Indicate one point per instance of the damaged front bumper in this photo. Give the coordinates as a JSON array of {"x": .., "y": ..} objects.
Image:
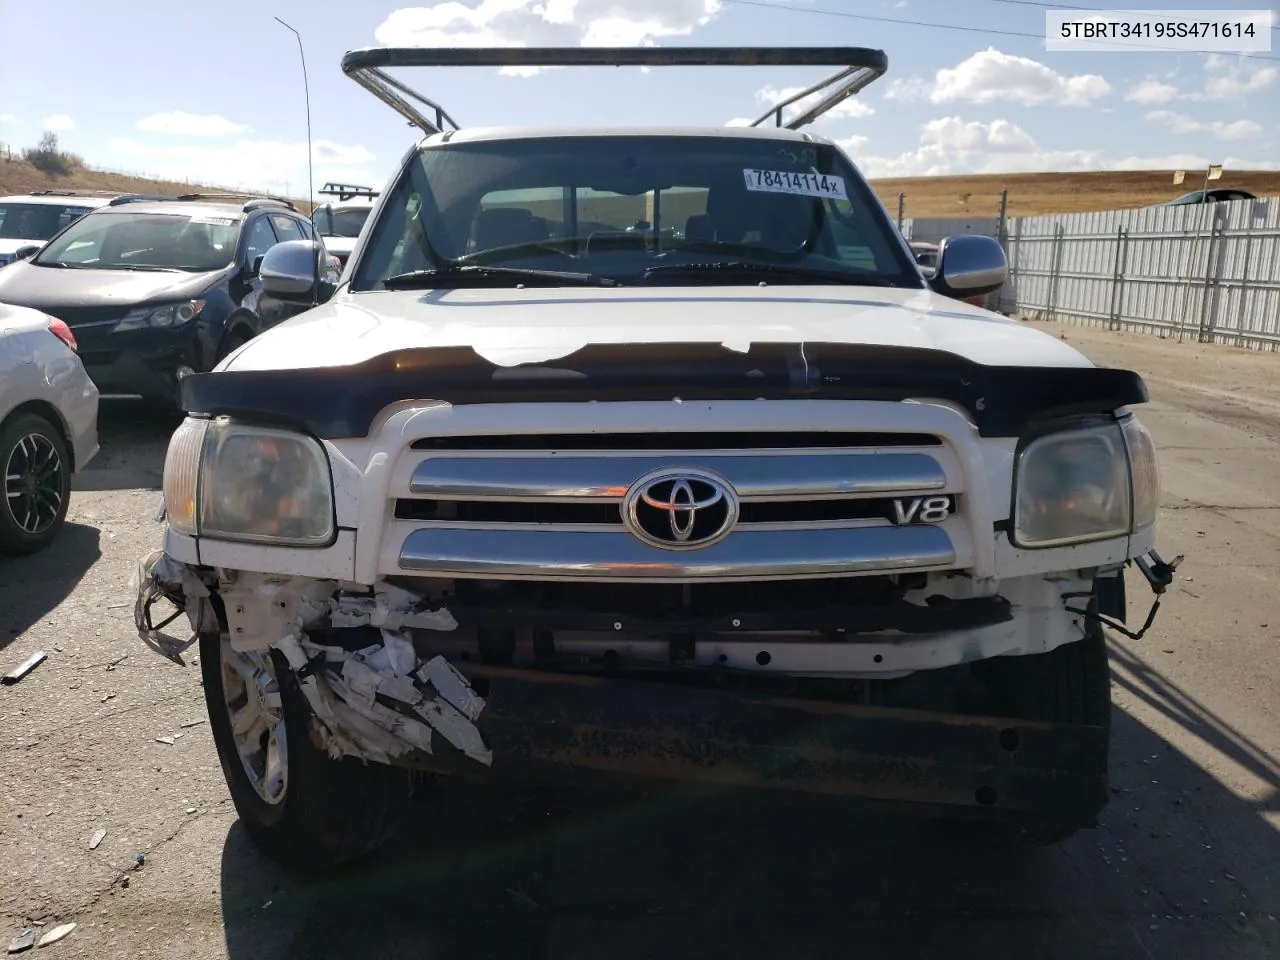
[{"x": 374, "y": 696}]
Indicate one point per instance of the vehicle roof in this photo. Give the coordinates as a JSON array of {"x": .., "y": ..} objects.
[
  {"x": 476, "y": 134},
  {"x": 184, "y": 208},
  {"x": 60, "y": 199}
]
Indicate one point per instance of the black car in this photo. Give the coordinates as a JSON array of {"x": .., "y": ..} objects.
[
  {"x": 1212, "y": 195},
  {"x": 156, "y": 288}
]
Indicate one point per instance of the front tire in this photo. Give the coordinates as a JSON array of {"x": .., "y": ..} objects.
[
  {"x": 302, "y": 808},
  {"x": 35, "y": 471},
  {"x": 1070, "y": 684}
]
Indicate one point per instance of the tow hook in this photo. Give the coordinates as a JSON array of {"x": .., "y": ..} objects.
[{"x": 1159, "y": 574}]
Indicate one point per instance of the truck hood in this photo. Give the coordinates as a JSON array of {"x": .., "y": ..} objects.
[
  {"x": 52, "y": 288},
  {"x": 508, "y": 327}
]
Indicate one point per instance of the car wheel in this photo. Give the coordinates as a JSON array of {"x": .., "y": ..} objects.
[
  {"x": 303, "y": 809},
  {"x": 36, "y": 471},
  {"x": 233, "y": 341}
]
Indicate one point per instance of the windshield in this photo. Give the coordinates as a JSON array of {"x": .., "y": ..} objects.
[
  {"x": 36, "y": 221},
  {"x": 132, "y": 241},
  {"x": 341, "y": 223},
  {"x": 637, "y": 209}
]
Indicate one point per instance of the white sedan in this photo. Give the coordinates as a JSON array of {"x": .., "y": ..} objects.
[{"x": 48, "y": 426}]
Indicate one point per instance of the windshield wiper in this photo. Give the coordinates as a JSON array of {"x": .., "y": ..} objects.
[
  {"x": 146, "y": 267},
  {"x": 761, "y": 271},
  {"x": 475, "y": 273}
]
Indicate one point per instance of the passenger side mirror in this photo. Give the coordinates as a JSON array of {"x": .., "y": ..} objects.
[
  {"x": 292, "y": 271},
  {"x": 969, "y": 266},
  {"x": 255, "y": 265}
]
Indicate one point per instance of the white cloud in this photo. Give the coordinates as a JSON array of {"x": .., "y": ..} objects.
[
  {"x": 1152, "y": 91},
  {"x": 991, "y": 76},
  {"x": 58, "y": 123},
  {"x": 1226, "y": 78},
  {"x": 537, "y": 23},
  {"x": 844, "y": 110},
  {"x": 1170, "y": 161},
  {"x": 1221, "y": 129},
  {"x": 910, "y": 89},
  {"x": 950, "y": 145},
  {"x": 182, "y": 124},
  {"x": 8, "y": 118},
  {"x": 1230, "y": 79},
  {"x": 273, "y": 165}
]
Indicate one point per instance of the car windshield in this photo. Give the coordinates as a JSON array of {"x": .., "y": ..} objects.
[
  {"x": 635, "y": 209},
  {"x": 341, "y": 223},
  {"x": 117, "y": 240},
  {"x": 36, "y": 221}
]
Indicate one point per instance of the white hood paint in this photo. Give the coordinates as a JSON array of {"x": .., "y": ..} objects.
[{"x": 509, "y": 327}]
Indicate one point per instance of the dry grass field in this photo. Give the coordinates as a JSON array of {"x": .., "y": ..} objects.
[
  {"x": 957, "y": 196},
  {"x": 1031, "y": 194}
]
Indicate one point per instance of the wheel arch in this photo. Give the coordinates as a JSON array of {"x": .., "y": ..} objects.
[{"x": 48, "y": 412}]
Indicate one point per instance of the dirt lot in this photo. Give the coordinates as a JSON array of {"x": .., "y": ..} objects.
[{"x": 1186, "y": 864}]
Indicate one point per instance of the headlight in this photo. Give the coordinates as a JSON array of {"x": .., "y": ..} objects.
[
  {"x": 160, "y": 318},
  {"x": 230, "y": 481},
  {"x": 1145, "y": 471},
  {"x": 1073, "y": 486}
]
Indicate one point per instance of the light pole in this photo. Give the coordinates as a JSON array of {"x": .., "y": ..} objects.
[{"x": 306, "y": 90}]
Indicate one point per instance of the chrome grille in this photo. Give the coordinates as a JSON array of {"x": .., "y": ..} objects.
[{"x": 809, "y": 506}]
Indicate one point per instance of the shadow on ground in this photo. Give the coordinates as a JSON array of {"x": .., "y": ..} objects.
[
  {"x": 133, "y": 435},
  {"x": 33, "y": 585},
  {"x": 1179, "y": 868}
]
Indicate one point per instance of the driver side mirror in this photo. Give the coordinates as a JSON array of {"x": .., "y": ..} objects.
[
  {"x": 293, "y": 271},
  {"x": 27, "y": 252},
  {"x": 969, "y": 266}
]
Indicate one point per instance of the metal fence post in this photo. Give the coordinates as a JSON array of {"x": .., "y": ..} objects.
[
  {"x": 902, "y": 203},
  {"x": 1244, "y": 275},
  {"x": 1117, "y": 279},
  {"x": 1206, "y": 323},
  {"x": 1051, "y": 311}
]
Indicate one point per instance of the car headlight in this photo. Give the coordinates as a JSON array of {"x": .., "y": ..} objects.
[
  {"x": 160, "y": 318},
  {"x": 1144, "y": 468},
  {"x": 231, "y": 481},
  {"x": 1073, "y": 486}
]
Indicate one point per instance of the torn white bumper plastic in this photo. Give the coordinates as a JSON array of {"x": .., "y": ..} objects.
[{"x": 378, "y": 703}]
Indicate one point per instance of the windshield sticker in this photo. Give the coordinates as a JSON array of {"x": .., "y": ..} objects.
[
  {"x": 216, "y": 221},
  {"x": 800, "y": 184}
]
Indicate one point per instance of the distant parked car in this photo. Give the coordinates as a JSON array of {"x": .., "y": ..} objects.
[
  {"x": 339, "y": 222},
  {"x": 157, "y": 289},
  {"x": 48, "y": 426},
  {"x": 28, "y": 220},
  {"x": 1216, "y": 195}
]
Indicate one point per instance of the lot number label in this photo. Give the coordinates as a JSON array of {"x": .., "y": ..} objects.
[{"x": 800, "y": 184}]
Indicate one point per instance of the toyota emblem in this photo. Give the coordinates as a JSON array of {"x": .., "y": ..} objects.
[{"x": 680, "y": 509}]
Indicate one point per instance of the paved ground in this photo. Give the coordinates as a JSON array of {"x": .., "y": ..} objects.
[{"x": 1186, "y": 864}]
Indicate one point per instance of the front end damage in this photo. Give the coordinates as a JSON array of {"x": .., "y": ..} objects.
[{"x": 370, "y": 664}]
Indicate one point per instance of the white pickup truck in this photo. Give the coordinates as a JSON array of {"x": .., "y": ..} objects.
[{"x": 739, "y": 498}]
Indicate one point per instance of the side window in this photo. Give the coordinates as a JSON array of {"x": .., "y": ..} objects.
[
  {"x": 509, "y": 217},
  {"x": 308, "y": 230},
  {"x": 286, "y": 228},
  {"x": 261, "y": 239}
]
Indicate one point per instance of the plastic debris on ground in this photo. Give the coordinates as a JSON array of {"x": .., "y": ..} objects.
[
  {"x": 22, "y": 669},
  {"x": 56, "y": 934},
  {"x": 23, "y": 941},
  {"x": 98, "y": 836}
]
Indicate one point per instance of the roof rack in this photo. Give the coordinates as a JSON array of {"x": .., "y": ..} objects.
[
  {"x": 367, "y": 67},
  {"x": 254, "y": 200},
  {"x": 74, "y": 193},
  {"x": 137, "y": 198},
  {"x": 347, "y": 191}
]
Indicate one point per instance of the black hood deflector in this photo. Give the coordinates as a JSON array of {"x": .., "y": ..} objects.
[{"x": 334, "y": 402}]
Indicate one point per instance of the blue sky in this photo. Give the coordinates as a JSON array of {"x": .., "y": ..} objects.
[{"x": 213, "y": 92}]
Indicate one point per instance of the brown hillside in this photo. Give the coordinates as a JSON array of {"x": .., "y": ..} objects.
[
  {"x": 1031, "y": 194},
  {"x": 18, "y": 176},
  {"x": 959, "y": 196}
]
